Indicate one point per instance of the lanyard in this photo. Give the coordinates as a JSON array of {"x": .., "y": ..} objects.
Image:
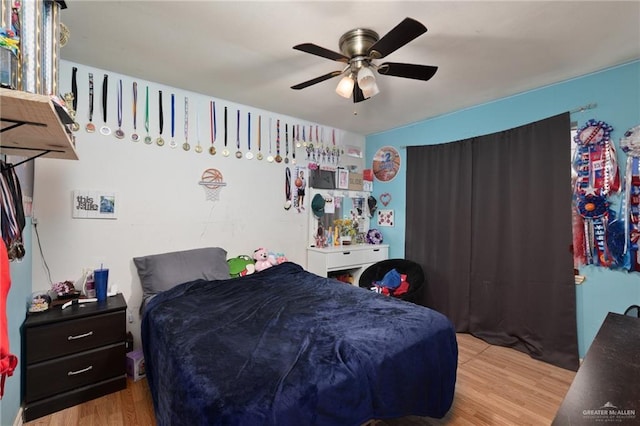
[
  {"x": 186, "y": 145},
  {"x": 105, "y": 130},
  {"x": 278, "y": 157},
  {"x": 160, "y": 141},
  {"x": 212, "y": 126},
  {"x": 134, "y": 135},
  {"x": 147, "y": 138},
  {"x": 90, "y": 127},
  {"x": 119, "y": 133},
  {"x": 259, "y": 156},
  {"x": 249, "y": 154},
  {"x": 173, "y": 144},
  {"x": 238, "y": 152}
]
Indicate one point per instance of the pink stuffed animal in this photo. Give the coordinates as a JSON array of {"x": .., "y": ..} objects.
[{"x": 261, "y": 256}]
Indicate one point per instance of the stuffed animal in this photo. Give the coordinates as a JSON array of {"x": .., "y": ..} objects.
[
  {"x": 276, "y": 258},
  {"x": 241, "y": 266},
  {"x": 261, "y": 257}
]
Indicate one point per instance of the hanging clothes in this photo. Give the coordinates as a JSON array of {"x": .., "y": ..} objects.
[
  {"x": 8, "y": 361},
  {"x": 12, "y": 220}
]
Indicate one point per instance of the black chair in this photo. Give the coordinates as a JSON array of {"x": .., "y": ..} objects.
[
  {"x": 633, "y": 311},
  {"x": 413, "y": 271}
]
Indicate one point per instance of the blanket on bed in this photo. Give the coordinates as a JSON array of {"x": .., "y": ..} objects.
[{"x": 287, "y": 347}]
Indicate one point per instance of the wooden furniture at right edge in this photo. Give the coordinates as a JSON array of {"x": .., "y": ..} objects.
[
  {"x": 353, "y": 259},
  {"x": 606, "y": 388}
]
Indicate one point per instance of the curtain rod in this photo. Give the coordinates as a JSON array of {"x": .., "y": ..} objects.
[{"x": 584, "y": 108}]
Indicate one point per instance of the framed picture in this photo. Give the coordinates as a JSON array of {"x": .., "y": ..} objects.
[
  {"x": 94, "y": 205},
  {"x": 343, "y": 179}
]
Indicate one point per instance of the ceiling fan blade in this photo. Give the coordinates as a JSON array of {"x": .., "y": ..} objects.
[
  {"x": 417, "y": 72},
  {"x": 321, "y": 51},
  {"x": 316, "y": 80},
  {"x": 358, "y": 96},
  {"x": 400, "y": 35}
]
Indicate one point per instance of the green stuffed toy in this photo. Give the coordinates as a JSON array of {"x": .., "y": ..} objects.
[{"x": 241, "y": 266}]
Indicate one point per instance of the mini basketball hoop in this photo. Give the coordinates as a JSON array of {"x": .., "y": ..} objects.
[{"x": 212, "y": 183}]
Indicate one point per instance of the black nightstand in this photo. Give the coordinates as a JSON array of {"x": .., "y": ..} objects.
[{"x": 73, "y": 355}]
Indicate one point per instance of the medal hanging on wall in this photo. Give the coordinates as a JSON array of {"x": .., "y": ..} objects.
[
  {"x": 212, "y": 126},
  {"x": 134, "y": 108},
  {"x": 293, "y": 147},
  {"x": 238, "y": 152},
  {"x": 185, "y": 145},
  {"x": 287, "y": 188},
  {"x": 249, "y": 155},
  {"x": 74, "y": 89},
  {"x": 225, "y": 151},
  {"x": 286, "y": 143},
  {"x": 270, "y": 156},
  {"x": 160, "y": 141},
  {"x": 278, "y": 157},
  {"x": 310, "y": 147},
  {"x": 147, "y": 138},
  {"x": 173, "y": 144},
  {"x": 198, "y": 147},
  {"x": 597, "y": 177},
  {"x": 90, "y": 127},
  {"x": 105, "y": 130},
  {"x": 259, "y": 156},
  {"x": 119, "y": 133}
]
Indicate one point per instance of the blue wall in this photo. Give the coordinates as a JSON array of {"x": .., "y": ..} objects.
[
  {"x": 16, "y": 310},
  {"x": 616, "y": 91}
]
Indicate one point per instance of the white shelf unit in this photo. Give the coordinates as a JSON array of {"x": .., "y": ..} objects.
[{"x": 353, "y": 259}]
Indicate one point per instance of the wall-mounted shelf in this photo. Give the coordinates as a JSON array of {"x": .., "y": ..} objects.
[{"x": 33, "y": 126}]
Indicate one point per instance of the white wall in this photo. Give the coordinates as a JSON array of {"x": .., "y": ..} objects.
[{"x": 160, "y": 205}]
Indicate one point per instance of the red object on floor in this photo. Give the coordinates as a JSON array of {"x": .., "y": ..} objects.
[
  {"x": 8, "y": 361},
  {"x": 400, "y": 290}
]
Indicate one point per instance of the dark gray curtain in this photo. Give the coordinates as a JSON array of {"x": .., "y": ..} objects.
[{"x": 489, "y": 220}]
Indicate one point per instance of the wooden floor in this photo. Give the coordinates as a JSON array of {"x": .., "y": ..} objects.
[{"x": 495, "y": 386}]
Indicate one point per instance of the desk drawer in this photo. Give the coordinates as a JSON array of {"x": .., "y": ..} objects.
[
  {"x": 374, "y": 255},
  {"x": 70, "y": 372},
  {"x": 67, "y": 337},
  {"x": 344, "y": 258}
]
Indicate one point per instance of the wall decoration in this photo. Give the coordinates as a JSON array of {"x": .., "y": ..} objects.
[
  {"x": 385, "y": 198},
  {"x": 343, "y": 179},
  {"x": 597, "y": 177},
  {"x": 94, "y": 205},
  {"x": 386, "y": 218},
  {"x": 299, "y": 188},
  {"x": 212, "y": 182},
  {"x": 386, "y": 163},
  {"x": 630, "y": 143}
]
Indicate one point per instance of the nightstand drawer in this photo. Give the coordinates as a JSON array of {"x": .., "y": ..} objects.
[
  {"x": 67, "y": 337},
  {"x": 344, "y": 258},
  {"x": 62, "y": 374}
]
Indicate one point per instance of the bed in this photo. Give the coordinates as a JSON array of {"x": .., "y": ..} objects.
[{"x": 287, "y": 347}]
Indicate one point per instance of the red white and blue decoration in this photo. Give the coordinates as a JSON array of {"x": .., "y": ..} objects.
[
  {"x": 630, "y": 143},
  {"x": 597, "y": 177}
]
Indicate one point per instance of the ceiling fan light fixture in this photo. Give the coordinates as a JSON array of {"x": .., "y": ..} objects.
[
  {"x": 366, "y": 79},
  {"x": 370, "y": 91},
  {"x": 345, "y": 87}
]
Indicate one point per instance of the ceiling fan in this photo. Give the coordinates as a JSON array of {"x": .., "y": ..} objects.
[{"x": 360, "y": 47}]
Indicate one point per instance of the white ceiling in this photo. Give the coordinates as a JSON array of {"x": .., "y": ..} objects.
[{"x": 242, "y": 51}]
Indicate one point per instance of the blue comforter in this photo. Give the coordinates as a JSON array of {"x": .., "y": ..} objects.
[{"x": 287, "y": 347}]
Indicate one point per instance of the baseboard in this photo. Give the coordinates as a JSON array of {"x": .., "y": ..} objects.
[{"x": 18, "y": 419}]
